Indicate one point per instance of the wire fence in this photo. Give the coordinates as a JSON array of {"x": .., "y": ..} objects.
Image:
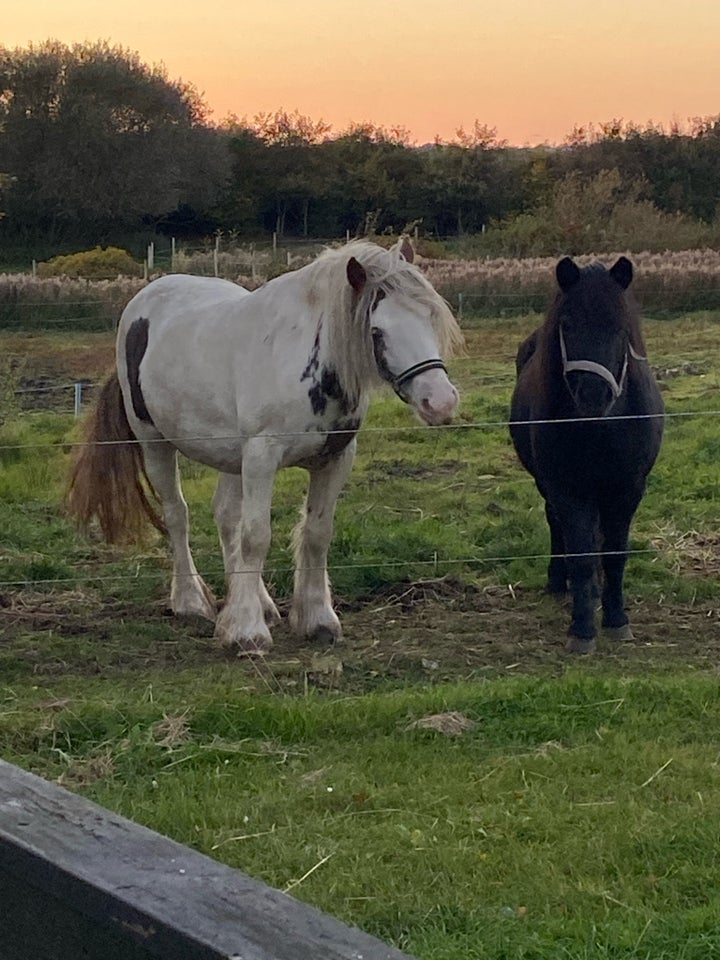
[{"x": 434, "y": 564}]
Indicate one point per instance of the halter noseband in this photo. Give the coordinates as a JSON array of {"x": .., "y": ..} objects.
[
  {"x": 407, "y": 375},
  {"x": 590, "y": 366}
]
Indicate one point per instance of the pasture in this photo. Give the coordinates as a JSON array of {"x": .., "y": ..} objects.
[{"x": 572, "y": 810}]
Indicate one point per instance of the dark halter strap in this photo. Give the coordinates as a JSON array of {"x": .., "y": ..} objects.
[{"x": 407, "y": 375}]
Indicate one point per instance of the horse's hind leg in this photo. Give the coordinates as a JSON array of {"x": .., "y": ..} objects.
[
  {"x": 227, "y": 506},
  {"x": 312, "y": 615},
  {"x": 189, "y": 595}
]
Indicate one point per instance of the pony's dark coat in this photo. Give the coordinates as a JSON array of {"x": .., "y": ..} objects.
[{"x": 591, "y": 460}]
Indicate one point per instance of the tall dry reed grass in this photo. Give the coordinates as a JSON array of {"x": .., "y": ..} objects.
[{"x": 670, "y": 282}]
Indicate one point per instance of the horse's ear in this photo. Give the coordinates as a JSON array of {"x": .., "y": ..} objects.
[
  {"x": 406, "y": 250},
  {"x": 622, "y": 272},
  {"x": 567, "y": 273},
  {"x": 357, "y": 278}
]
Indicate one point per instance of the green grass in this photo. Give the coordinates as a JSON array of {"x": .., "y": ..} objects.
[{"x": 578, "y": 818}]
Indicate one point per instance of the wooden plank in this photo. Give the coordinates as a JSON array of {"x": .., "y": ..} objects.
[{"x": 77, "y": 881}]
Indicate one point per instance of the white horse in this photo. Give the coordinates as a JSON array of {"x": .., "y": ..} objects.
[{"x": 249, "y": 383}]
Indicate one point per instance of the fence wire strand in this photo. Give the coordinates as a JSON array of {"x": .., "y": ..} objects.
[
  {"x": 435, "y": 562},
  {"x": 475, "y": 425}
]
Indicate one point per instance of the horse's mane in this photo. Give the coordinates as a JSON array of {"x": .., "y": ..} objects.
[{"x": 346, "y": 316}]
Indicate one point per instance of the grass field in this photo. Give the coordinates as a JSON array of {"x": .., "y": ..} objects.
[{"x": 576, "y": 813}]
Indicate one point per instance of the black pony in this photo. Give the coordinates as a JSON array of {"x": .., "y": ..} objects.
[{"x": 587, "y": 423}]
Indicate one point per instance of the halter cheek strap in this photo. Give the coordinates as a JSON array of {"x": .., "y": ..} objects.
[
  {"x": 407, "y": 375},
  {"x": 589, "y": 366}
]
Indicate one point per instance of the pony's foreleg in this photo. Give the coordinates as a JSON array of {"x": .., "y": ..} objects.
[
  {"x": 557, "y": 567},
  {"x": 241, "y": 624},
  {"x": 312, "y": 615},
  {"x": 578, "y": 523},
  {"x": 227, "y": 506},
  {"x": 615, "y": 519},
  {"x": 189, "y": 595}
]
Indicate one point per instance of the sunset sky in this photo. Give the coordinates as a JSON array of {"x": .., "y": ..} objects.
[{"x": 531, "y": 68}]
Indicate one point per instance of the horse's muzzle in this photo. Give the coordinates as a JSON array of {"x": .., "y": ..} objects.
[
  {"x": 591, "y": 395},
  {"x": 434, "y": 398}
]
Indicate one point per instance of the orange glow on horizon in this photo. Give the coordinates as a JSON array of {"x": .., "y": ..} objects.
[{"x": 531, "y": 70}]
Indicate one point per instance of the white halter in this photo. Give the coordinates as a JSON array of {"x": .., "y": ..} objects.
[{"x": 590, "y": 366}]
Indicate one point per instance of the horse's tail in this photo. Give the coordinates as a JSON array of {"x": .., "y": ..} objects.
[{"x": 106, "y": 479}]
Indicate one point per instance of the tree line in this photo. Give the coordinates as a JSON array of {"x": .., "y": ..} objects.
[{"x": 97, "y": 147}]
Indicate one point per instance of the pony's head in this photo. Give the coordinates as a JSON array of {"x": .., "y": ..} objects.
[
  {"x": 409, "y": 326},
  {"x": 597, "y": 333}
]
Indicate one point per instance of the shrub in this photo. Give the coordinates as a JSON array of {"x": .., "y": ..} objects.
[{"x": 97, "y": 264}]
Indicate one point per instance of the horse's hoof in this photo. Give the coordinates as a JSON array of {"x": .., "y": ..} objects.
[
  {"x": 271, "y": 615},
  {"x": 623, "y": 633},
  {"x": 582, "y": 645},
  {"x": 320, "y": 626},
  {"x": 324, "y": 635},
  {"x": 252, "y": 649},
  {"x": 246, "y": 647},
  {"x": 234, "y": 645},
  {"x": 194, "y": 604},
  {"x": 194, "y": 612}
]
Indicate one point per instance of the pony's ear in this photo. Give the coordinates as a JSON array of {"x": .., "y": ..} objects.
[
  {"x": 357, "y": 278},
  {"x": 622, "y": 272},
  {"x": 406, "y": 250},
  {"x": 567, "y": 273}
]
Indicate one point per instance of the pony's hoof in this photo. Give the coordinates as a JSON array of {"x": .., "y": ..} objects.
[
  {"x": 582, "y": 645},
  {"x": 557, "y": 589},
  {"x": 623, "y": 633}
]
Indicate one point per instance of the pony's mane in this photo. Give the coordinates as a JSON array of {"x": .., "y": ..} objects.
[
  {"x": 346, "y": 316},
  {"x": 596, "y": 284}
]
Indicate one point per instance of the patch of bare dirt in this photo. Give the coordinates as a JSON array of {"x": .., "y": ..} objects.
[{"x": 427, "y": 631}]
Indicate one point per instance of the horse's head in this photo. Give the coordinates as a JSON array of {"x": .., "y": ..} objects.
[
  {"x": 402, "y": 315},
  {"x": 592, "y": 316}
]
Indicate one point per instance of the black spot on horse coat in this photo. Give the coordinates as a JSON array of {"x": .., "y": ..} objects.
[{"x": 135, "y": 346}]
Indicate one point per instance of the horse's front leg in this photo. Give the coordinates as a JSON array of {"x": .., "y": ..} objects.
[
  {"x": 312, "y": 615},
  {"x": 241, "y": 624},
  {"x": 227, "y": 506},
  {"x": 615, "y": 519},
  {"x": 579, "y": 525}
]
